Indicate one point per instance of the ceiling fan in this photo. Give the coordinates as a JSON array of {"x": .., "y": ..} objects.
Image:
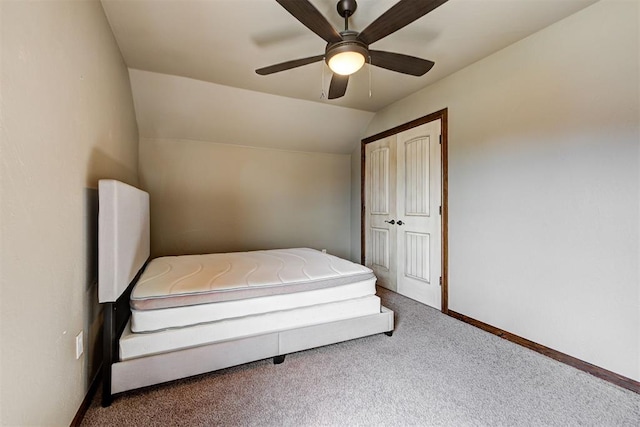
[{"x": 348, "y": 50}]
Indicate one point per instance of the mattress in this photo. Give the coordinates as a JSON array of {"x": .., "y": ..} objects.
[
  {"x": 187, "y": 290},
  {"x": 134, "y": 345},
  {"x": 198, "y": 279},
  {"x": 174, "y": 317}
]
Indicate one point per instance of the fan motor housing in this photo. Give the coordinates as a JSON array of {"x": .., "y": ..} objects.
[{"x": 345, "y": 46}]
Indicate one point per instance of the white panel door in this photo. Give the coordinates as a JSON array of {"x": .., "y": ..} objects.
[
  {"x": 380, "y": 205},
  {"x": 418, "y": 220},
  {"x": 402, "y": 205}
]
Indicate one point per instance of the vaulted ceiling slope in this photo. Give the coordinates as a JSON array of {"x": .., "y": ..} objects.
[
  {"x": 203, "y": 46},
  {"x": 179, "y": 108}
]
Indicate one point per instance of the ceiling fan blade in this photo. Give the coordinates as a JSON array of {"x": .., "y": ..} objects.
[
  {"x": 311, "y": 18},
  {"x": 401, "y": 63},
  {"x": 338, "y": 86},
  {"x": 400, "y": 15},
  {"x": 288, "y": 65}
]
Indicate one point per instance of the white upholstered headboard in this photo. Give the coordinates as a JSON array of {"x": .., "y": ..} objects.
[{"x": 123, "y": 236}]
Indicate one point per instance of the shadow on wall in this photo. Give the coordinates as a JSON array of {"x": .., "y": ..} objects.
[
  {"x": 102, "y": 166},
  {"x": 216, "y": 225},
  {"x": 92, "y": 322},
  {"x": 209, "y": 197},
  {"x": 193, "y": 218}
]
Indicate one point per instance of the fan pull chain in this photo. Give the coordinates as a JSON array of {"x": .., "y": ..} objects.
[
  {"x": 323, "y": 95},
  {"x": 369, "y": 76}
]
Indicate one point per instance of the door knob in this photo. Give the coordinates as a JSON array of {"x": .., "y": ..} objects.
[
  {"x": 391, "y": 222},
  {"x": 400, "y": 222}
]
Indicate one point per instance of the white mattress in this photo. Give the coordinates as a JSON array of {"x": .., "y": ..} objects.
[
  {"x": 202, "y": 279},
  {"x": 133, "y": 345},
  {"x": 155, "y": 320}
]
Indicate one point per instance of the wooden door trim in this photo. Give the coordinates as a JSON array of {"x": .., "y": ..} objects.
[{"x": 442, "y": 115}]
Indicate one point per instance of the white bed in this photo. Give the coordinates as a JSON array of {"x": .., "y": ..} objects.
[{"x": 174, "y": 317}]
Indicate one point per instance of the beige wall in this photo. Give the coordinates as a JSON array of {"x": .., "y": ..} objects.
[
  {"x": 544, "y": 188},
  {"x": 214, "y": 197},
  {"x": 67, "y": 120}
]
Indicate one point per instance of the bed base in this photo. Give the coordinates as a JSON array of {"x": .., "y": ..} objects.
[
  {"x": 145, "y": 371},
  {"x": 121, "y": 376}
]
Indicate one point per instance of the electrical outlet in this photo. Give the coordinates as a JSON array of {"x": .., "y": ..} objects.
[{"x": 79, "y": 344}]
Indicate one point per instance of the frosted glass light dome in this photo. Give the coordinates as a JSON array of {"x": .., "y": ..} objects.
[{"x": 346, "y": 63}]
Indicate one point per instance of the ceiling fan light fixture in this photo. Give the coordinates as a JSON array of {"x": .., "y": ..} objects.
[
  {"x": 347, "y": 51},
  {"x": 346, "y": 59}
]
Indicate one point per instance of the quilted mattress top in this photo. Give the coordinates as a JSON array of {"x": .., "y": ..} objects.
[{"x": 178, "y": 281}]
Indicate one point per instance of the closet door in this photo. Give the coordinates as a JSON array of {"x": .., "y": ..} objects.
[
  {"x": 402, "y": 212},
  {"x": 380, "y": 206},
  {"x": 418, "y": 220}
]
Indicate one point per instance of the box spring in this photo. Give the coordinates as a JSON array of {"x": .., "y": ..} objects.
[{"x": 133, "y": 345}]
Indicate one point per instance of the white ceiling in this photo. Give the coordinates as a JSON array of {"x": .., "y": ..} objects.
[{"x": 224, "y": 41}]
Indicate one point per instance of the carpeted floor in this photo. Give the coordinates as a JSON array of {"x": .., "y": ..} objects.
[{"x": 434, "y": 370}]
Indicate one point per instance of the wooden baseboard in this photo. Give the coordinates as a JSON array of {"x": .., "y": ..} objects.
[
  {"x": 594, "y": 370},
  {"x": 86, "y": 402}
]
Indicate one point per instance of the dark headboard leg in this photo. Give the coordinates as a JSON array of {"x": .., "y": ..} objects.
[{"x": 116, "y": 316}]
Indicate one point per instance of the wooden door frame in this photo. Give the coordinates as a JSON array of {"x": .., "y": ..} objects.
[{"x": 442, "y": 115}]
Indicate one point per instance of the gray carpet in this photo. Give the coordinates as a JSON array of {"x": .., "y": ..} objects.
[{"x": 434, "y": 370}]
